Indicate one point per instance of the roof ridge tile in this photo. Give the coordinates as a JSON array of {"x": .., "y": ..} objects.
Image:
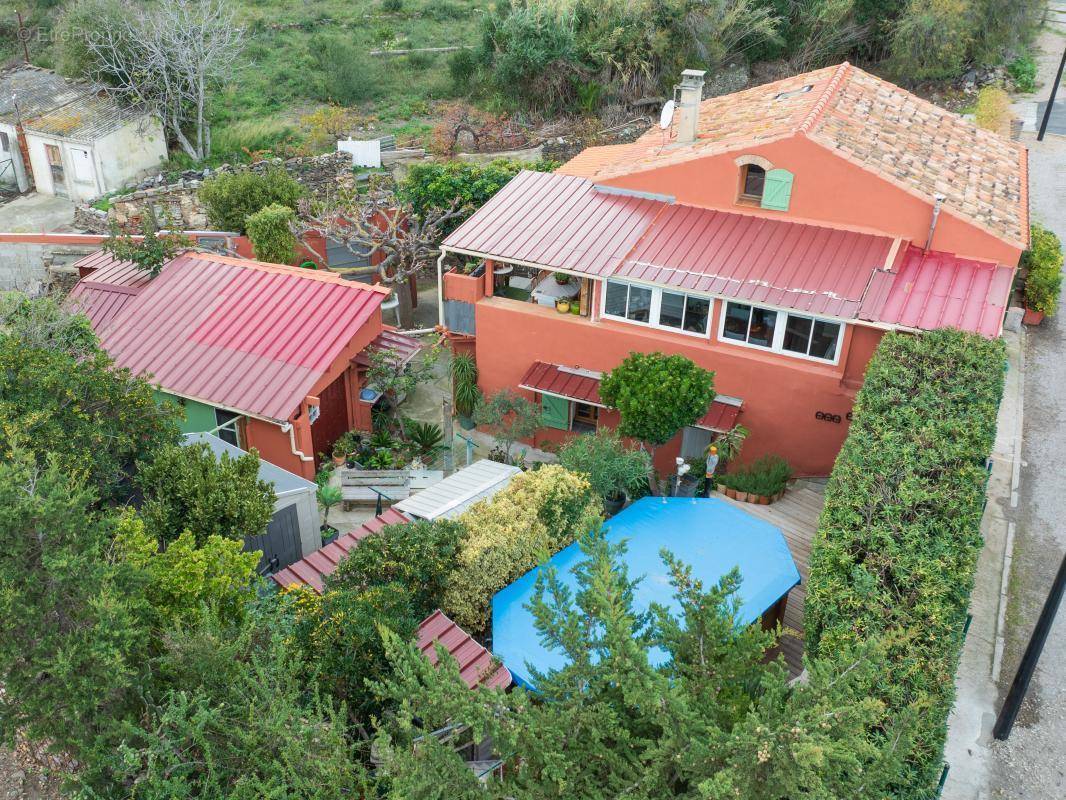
[{"x": 820, "y": 105}]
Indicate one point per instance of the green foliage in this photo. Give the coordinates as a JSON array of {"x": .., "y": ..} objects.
[
  {"x": 611, "y": 467},
  {"x": 1022, "y": 72},
  {"x": 765, "y": 476},
  {"x": 716, "y": 720},
  {"x": 71, "y": 638},
  {"x": 465, "y": 391},
  {"x": 150, "y": 252},
  {"x": 435, "y": 186},
  {"x": 1043, "y": 259},
  {"x": 729, "y": 443},
  {"x": 346, "y": 74},
  {"x": 239, "y": 722},
  {"x": 462, "y": 66},
  {"x": 538, "y": 514},
  {"x": 62, "y": 396},
  {"x": 900, "y": 533},
  {"x": 185, "y": 578},
  {"x": 78, "y": 22},
  {"x": 189, "y": 489},
  {"x": 931, "y": 39},
  {"x": 509, "y": 417},
  {"x": 425, "y": 436},
  {"x": 232, "y": 197},
  {"x": 657, "y": 395},
  {"x": 270, "y": 230},
  {"x": 419, "y": 555},
  {"x": 993, "y": 110},
  {"x": 392, "y": 6}
]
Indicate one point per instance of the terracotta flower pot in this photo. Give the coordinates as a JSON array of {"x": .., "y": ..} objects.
[
  {"x": 763, "y": 500},
  {"x": 741, "y": 496},
  {"x": 728, "y": 492},
  {"x": 338, "y": 461},
  {"x": 1032, "y": 317}
]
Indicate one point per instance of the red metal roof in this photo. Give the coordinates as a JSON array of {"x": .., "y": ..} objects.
[
  {"x": 241, "y": 334},
  {"x": 720, "y": 417},
  {"x": 312, "y": 570},
  {"x": 584, "y": 386},
  {"x": 107, "y": 288},
  {"x": 556, "y": 221},
  {"x": 406, "y": 346},
  {"x": 567, "y": 382},
  {"x": 809, "y": 268},
  {"x": 940, "y": 290},
  {"x": 477, "y": 666}
]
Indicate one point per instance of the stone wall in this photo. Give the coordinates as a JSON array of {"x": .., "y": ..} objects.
[{"x": 177, "y": 204}]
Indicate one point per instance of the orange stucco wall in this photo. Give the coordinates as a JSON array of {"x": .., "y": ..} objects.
[
  {"x": 275, "y": 446},
  {"x": 825, "y": 189},
  {"x": 781, "y": 394}
]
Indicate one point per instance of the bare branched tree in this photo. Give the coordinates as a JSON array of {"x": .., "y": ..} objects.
[
  {"x": 385, "y": 230},
  {"x": 168, "y": 57}
]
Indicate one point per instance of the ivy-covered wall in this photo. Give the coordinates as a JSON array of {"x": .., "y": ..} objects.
[{"x": 899, "y": 537}]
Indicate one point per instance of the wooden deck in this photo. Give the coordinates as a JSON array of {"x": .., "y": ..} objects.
[{"x": 796, "y": 515}]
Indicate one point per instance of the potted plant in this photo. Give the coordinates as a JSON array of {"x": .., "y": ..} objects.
[
  {"x": 340, "y": 452},
  {"x": 465, "y": 391},
  {"x": 1043, "y": 261},
  {"x": 328, "y": 496},
  {"x": 616, "y": 472},
  {"x": 562, "y": 278}
]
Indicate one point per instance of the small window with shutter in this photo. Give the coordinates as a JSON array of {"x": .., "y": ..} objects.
[
  {"x": 554, "y": 412},
  {"x": 777, "y": 190}
]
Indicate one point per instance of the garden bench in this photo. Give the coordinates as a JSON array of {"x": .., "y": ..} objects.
[{"x": 361, "y": 486}]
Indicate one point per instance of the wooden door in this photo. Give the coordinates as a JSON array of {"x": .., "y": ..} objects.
[{"x": 332, "y": 419}]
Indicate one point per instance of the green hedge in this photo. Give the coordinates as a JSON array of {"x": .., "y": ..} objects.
[
  {"x": 1043, "y": 260},
  {"x": 899, "y": 537}
]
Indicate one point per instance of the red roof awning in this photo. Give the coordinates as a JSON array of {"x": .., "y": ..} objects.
[
  {"x": 477, "y": 666},
  {"x": 720, "y": 417},
  {"x": 570, "y": 382},
  {"x": 406, "y": 346}
]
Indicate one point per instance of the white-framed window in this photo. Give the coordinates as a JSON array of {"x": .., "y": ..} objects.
[
  {"x": 782, "y": 332},
  {"x": 660, "y": 308}
]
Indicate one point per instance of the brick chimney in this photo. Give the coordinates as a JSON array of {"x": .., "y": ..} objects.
[{"x": 688, "y": 117}]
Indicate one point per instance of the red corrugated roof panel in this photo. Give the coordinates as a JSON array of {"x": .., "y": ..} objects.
[
  {"x": 809, "y": 268},
  {"x": 556, "y": 221},
  {"x": 477, "y": 667},
  {"x": 313, "y": 569},
  {"x": 720, "y": 417},
  {"x": 575, "y": 384},
  {"x": 941, "y": 290},
  {"x": 240, "y": 334},
  {"x": 406, "y": 346}
]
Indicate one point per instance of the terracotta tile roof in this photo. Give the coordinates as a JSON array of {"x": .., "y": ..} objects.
[{"x": 904, "y": 139}]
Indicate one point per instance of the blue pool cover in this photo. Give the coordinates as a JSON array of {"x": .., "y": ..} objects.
[{"x": 709, "y": 534}]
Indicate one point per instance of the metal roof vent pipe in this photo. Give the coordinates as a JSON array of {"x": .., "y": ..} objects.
[
  {"x": 938, "y": 200},
  {"x": 691, "y": 95}
]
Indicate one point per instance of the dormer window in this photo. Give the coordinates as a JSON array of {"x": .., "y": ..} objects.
[{"x": 753, "y": 181}]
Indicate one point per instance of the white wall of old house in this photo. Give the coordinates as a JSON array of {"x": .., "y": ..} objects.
[{"x": 13, "y": 173}]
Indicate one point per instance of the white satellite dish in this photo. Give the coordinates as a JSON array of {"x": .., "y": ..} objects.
[{"x": 667, "y": 115}]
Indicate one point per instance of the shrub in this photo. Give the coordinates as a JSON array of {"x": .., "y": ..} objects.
[
  {"x": 232, "y": 197},
  {"x": 1043, "y": 259},
  {"x": 766, "y": 476},
  {"x": 993, "y": 110},
  {"x": 462, "y": 65},
  {"x": 899, "y": 537},
  {"x": 465, "y": 390},
  {"x": 610, "y": 466},
  {"x": 932, "y": 39},
  {"x": 657, "y": 395},
  {"x": 1022, "y": 72},
  {"x": 509, "y": 417},
  {"x": 419, "y": 555},
  {"x": 347, "y": 75},
  {"x": 270, "y": 230},
  {"x": 538, "y": 514},
  {"x": 392, "y": 6}
]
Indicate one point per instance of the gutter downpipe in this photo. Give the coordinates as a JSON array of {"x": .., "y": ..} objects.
[
  {"x": 440, "y": 287},
  {"x": 288, "y": 428},
  {"x": 938, "y": 200}
]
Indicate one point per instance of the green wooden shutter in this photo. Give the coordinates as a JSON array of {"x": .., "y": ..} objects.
[
  {"x": 555, "y": 412},
  {"x": 777, "y": 190}
]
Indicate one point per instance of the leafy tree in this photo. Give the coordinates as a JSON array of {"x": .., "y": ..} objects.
[
  {"x": 189, "y": 489},
  {"x": 611, "y": 467},
  {"x": 438, "y": 185},
  {"x": 931, "y": 39},
  {"x": 184, "y": 579},
  {"x": 419, "y": 555},
  {"x": 657, "y": 395},
  {"x": 150, "y": 251},
  {"x": 238, "y": 721},
  {"x": 509, "y": 417},
  {"x": 715, "y": 720},
  {"x": 72, "y": 637},
  {"x": 62, "y": 396},
  {"x": 270, "y": 230},
  {"x": 231, "y": 197}
]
